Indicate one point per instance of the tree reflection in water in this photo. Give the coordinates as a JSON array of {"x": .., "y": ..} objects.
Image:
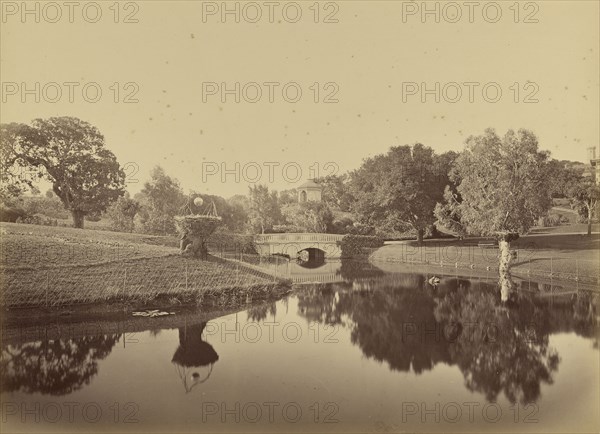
[
  {"x": 53, "y": 367},
  {"x": 260, "y": 312},
  {"x": 193, "y": 352},
  {"x": 500, "y": 347}
]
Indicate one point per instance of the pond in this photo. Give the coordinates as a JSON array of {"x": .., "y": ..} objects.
[{"x": 367, "y": 351}]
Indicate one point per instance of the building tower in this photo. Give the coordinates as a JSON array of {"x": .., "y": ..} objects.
[
  {"x": 595, "y": 162},
  {"x": 310, "y": 191}
]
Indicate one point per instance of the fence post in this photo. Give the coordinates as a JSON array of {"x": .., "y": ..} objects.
[
  {"x": 125, "y": 284},
  {"x": 47, "y": 283},
  {"x": 186, "y": 276}
]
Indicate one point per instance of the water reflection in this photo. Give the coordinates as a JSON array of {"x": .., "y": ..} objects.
[
  {"x": 193, "y": 352},
  {"x": 53, "y": 367},
  {"x": 403, "y": 320}
]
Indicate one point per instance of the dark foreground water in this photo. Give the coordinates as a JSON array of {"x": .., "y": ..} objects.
[{"x": 371, "y": 352}]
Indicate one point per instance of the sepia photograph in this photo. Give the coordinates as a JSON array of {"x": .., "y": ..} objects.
[{"x": 310, "y": 216}]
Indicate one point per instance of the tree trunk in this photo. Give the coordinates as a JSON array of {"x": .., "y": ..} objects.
[
  {"x": 589, "y": 222},
  {"x": 78, "y": 217},
  {"x": 506, "y": 283},
  {"x": 420, "y": 234}
]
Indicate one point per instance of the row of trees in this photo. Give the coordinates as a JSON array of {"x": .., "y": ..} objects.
[{"x": 496, "y": 185}]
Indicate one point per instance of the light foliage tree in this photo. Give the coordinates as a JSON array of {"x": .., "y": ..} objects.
[
  {"x": 311, "y": 216},
  {"x": 264, "y": 208},
  {"x": 161, "y": 199},
  {"x": 585, "y": 196},
  {"x": 122, "y": 213},
  {"x": 502, "y": 189}
]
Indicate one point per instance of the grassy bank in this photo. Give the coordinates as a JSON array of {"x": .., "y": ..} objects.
[
  {"x": 555, "y": 256},
  {"x": 51, "y": 267}
]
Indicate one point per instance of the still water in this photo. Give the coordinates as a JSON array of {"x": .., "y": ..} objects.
[{"x": 370, "y": 351}]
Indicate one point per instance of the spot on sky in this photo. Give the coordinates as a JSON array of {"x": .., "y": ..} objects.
[
  {"x": 168, "y": 105},
  {"x": 192, "y": 36},
  {"x": 149, "y": 119}
]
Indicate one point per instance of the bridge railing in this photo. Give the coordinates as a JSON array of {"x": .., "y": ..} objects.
[{"x": 303, "y": 237}]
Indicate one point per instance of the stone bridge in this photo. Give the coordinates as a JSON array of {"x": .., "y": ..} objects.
[{"x": 318, "y": 246}]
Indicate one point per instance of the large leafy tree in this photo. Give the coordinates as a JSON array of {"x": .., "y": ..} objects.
[
  {"x": 399, "y": 190},
  {"x": 68, "y": 152},
  {"x": 502, "y": 189}
]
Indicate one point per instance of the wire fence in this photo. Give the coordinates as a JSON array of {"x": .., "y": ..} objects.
[
  {"x": 140, "y": 280},
  {"x": 276, "y": 266},
  {"x": 524, "y": 263}
]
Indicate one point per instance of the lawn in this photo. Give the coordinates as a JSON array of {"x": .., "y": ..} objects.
[
  {"x": 56, "y": 266},
  {"x": 556, "y": 256}
]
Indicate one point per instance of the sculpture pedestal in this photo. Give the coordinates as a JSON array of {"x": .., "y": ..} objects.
[{"x": 194, "y": 230}]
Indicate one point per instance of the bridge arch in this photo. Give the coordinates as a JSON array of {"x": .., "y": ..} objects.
[
  {"x": 292, "y": 243},
  {"x": 314, "y": 253}
]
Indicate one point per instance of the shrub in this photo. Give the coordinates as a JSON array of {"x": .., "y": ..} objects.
[
  {"x": 344, "y": 225},
  {"x": 41, "y": 220},
  {"x": 285, "y": 229},
  {"x": 355, "y": 245},
  {"x": 11, "y": 214}
]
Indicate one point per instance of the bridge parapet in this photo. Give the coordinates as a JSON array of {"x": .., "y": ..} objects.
[
  {"x": 297, "y": 237},
  {"x": 291, "y": 244}
]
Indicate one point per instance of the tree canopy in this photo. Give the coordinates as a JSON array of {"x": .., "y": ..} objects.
[
  {"x": 68, "y": 152},
  {"x": 502, "y": 185},
  {"x": 400, "y": 189}
]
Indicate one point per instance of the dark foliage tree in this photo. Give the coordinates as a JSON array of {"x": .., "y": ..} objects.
[
  {"x": 54, "y": 367},
  {"x": 399, "y": 190},
  {"x": 71, "y": 154}
]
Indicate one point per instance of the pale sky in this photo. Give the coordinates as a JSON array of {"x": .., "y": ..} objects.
[{"x": 368, "y": 55}]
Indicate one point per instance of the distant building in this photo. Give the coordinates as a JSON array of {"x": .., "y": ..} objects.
[
  {"x": 310, "y": 191},
  {"x": 595, "y": 162}
]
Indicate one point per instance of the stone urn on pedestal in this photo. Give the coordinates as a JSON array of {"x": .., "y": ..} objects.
[{"x": 195, "y": 226}]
